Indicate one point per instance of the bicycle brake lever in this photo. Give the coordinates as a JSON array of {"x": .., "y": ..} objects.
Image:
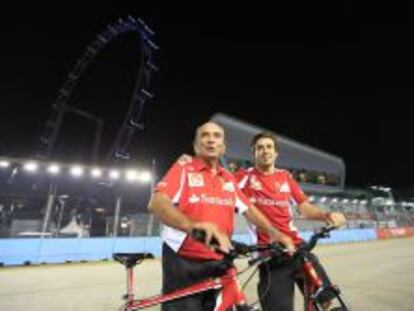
[
  {"x": 240, "y": 248},
  {"x": 200, "y": 236}
]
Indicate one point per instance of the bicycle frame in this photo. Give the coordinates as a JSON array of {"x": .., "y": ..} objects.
[
  {"x": 219, "y": 283},
  {"x": 312, "y": 282},
  {"x": 313, "y": 285},
  {"x": 232, "y": 294}
]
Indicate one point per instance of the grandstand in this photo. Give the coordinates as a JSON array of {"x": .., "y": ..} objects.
[
  {"x": 321, "y": 175},
  {"x": 318, "y": 171}
]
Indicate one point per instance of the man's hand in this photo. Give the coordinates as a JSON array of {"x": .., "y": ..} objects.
[
  {"x": 335, "y": 219},
  {"x": 283, "y": 239},
  {"x": 212, "y": 231}
]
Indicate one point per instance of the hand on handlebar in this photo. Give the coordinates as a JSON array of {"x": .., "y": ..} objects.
[
  {"x": 335, "y": 219},
  {"x": 213, "y": 236},
  {"x": 283, "y": 239}
]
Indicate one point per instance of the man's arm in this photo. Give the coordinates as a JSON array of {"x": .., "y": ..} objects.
[
  {"x": 260, "y": 221},
  {"x": 311, "y": 211},
  {"x": 162, "y": 207}
]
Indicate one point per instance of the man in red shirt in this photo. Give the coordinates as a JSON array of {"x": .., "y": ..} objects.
[
  {"x": 200, "y": 194},
  {"x": 272, "y": 190}
]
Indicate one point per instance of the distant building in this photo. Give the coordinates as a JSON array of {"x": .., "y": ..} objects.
[{"x": 316, "y": 170}]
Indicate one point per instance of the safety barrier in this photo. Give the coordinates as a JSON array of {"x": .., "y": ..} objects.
[
  {"x": 394, "y": 233},
  {"x": 47, "y": 250},
  {"x": 38, "y": 251}
]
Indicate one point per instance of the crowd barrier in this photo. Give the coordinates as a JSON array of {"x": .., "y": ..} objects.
[
  {"x": 47, "y": 250},
  {"x": 394, "y": 233}
]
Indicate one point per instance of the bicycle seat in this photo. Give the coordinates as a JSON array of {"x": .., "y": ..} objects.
[{"x": 131, "y": 259}]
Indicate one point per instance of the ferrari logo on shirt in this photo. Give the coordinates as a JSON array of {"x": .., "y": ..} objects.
[
  {"x": 255, "y": 184},
  {"x": 285, "y": 187},
  {"x": 195, "y": 180}
]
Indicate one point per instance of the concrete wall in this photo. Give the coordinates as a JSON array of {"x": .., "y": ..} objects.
[{"x": 38, "y": 251}]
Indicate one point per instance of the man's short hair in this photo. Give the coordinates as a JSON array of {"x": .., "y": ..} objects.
[
  {"x": 199, "y": 128},
  {"x": 263, "y": 135}
]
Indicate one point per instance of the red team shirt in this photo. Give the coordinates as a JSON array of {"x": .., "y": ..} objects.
[
  {"x": 273, "y": 195},
  {"x": 201, "y": 196}
]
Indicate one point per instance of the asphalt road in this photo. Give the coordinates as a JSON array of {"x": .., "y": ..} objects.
[{"x": 374, "y": 276}]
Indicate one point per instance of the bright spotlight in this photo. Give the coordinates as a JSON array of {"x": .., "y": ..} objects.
[
  {"x": 96, "y": 173},
  {"x": 76, "y": 171},
  {"x": 145, "y": 176},
  {"x": 114, "y": 174},
  {"x": 31, "y": 167},
  {"x": 323, "y": 199},
  {"x": 4, "y": 164},
  {"x": 53, "y": 169},
  {"x": 131, "y": 175}
]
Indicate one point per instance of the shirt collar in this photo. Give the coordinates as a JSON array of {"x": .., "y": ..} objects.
[
  {"x": 200, "y": 165},
  {"x": 258, "y": 172}
]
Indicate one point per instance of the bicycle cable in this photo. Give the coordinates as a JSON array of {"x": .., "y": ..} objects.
[{"x": 251, "y": 276}]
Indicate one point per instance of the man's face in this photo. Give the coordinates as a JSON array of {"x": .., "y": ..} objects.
[
  {"x": 209, "y": 141},
  {"x": 265, "y": 153}
]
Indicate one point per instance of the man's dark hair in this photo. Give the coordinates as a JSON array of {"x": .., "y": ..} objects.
[{"x": 263, "y": 135}]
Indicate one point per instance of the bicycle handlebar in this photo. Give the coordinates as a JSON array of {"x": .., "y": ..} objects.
[
  {"x": 239, "y": 249},
  {"x": 273, "y": 249},
  {"x": 321, "y": 233}
]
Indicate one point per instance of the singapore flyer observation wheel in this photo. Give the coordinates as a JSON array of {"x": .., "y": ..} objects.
[{"x": 141, "y": 95}]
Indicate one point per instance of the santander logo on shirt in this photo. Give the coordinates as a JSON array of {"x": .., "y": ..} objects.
[
  {"x": 194, "y": 199},
  {"x": 203, "y": 198},
  {"x": 268, "y": 202}
]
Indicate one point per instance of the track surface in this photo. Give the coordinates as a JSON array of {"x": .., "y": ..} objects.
[{"x": 374, "y": 276}]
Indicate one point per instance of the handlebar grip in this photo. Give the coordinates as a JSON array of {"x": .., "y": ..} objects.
[
  {"x": 200, "y": 235},
  {"x": 268, "y": 252}
]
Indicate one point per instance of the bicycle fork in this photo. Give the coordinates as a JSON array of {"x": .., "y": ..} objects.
[{"x": 317, "y": 296}]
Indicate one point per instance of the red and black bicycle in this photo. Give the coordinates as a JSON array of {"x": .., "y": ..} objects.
[
  {"x": 316, "y": 294},
  {"x": 230, "y": 292}
]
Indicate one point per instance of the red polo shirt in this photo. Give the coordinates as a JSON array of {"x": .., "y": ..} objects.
[
  {"x": 202, "y": 196},
  {"x": 273, "y": 195}
]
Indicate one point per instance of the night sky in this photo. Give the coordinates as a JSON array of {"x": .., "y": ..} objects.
[{"x": 334, "y": 76}]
